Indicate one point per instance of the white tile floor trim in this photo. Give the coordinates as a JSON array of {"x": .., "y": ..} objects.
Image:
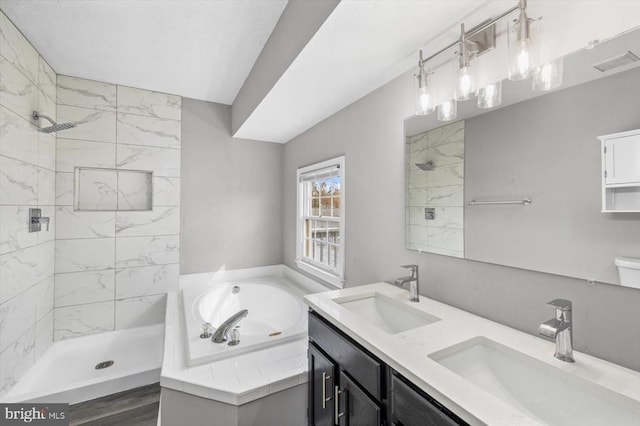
[{"x": 243, "y": 378}]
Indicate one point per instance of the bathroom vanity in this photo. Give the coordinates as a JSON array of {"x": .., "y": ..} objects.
[
  {"x": 377, "y": 358},
  {"x": 348, "y": 385}
]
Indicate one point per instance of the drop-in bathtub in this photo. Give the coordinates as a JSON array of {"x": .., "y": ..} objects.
[{"x": 276, "y": 315}]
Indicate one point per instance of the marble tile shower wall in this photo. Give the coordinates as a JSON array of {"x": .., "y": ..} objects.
[
  {"x": 27, "y": 176},
  {"x": 441, "y": 188},
  {"x": 113, "y": 268}
]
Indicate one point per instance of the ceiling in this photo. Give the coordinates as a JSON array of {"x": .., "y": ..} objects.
[
  {"x": 361, "y": 46},
  {"x": 195, "y": 48},
  {"x": 205, "y": 49},
  {"x": 364, "y": 44}
]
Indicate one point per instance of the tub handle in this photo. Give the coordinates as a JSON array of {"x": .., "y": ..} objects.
[
  {"x": 234, "y": 337},
  {"x": 325, "y": 377},
  {"x": 207, "y": 330}
]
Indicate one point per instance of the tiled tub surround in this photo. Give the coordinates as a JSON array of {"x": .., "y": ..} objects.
[
  {"x": 411, "y": 353},
  {"x": 113, "y": 268},
  {"x": 441, "y": 189},
  {"x": 27, "y": 170},
  {"x": 243, "y": 378}
]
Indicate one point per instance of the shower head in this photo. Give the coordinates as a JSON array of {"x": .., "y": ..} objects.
[
  {"x": 55, "y": 127},
  {"x": 426, "y": 166}
]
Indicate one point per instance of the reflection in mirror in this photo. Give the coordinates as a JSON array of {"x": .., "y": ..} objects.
[
  {"x": 538, "y": 146},
  {"x": 434, "y": 190}
]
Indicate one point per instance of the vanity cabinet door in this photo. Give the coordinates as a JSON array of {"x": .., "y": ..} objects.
[
  {"x": 410, "y": 408},
  {"x": 321, "y": 387},
  {"x": 355, "y": 408},
  {"x": 365, "y": 369}
]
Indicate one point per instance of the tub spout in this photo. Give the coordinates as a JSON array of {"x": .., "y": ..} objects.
[{"x": 221, "y": 334}]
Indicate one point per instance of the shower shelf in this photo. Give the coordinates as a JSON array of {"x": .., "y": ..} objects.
[{"x": 99, "y": 189}]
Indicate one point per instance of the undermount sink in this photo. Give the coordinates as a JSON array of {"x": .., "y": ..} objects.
[
  {"x": 542, "y": 391},
  {"x": 384, "y": 312}
]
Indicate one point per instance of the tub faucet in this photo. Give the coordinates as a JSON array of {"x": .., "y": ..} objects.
[
  {"x": 221, "y": 334},
  {"x": 414, "y": 289},
  {"x": 560, "y": 328}
]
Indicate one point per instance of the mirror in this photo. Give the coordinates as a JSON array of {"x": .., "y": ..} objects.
[{"x": 537, "y": 146}]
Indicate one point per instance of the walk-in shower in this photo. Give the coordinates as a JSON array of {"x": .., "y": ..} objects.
[{"x": 55, "y": 127}]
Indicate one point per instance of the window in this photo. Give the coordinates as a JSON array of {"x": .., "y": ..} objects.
[{"x": 320, "y": 235}]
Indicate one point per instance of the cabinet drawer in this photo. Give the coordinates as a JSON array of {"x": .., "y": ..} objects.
[
  {"x": 410, "y": 408},
  {"x": 365, "y": 369}
]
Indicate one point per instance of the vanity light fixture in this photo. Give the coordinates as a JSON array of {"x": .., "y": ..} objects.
[
  {"x": 424, "y": 99},
  {"x": 522, "y": 58},
  {"x": 471, "y": 44},
  {"x": 447, "y": 111},
  {"x": 522, "y": 49},
  {"x": 490, "y": 96},
  {"x": 548, "y": 76},
  {"x": 465, "y": 73}
]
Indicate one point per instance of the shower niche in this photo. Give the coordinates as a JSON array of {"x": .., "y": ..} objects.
[{"x": 99, "y": 189}]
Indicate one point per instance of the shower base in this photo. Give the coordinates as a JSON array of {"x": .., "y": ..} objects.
[{"x": 79, "y": 369}]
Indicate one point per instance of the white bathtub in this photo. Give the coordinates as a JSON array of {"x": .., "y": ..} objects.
[
  {"x": 66, "y": 372},
  {"x": 276, "y": 315}
]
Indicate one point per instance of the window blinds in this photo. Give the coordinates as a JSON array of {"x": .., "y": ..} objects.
[{"x": 320, "y": 174}]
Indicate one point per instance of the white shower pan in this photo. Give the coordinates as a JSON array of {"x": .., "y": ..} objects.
[{"x": 67, "y": 371}]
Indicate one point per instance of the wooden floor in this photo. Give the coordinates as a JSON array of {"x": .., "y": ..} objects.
[{"x": 135, "y": 407}]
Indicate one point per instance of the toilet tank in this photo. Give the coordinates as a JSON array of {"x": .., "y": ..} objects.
[{"x": 628, "y": 271}]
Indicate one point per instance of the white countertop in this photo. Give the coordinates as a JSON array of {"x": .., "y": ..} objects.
[{"x": 408, "y": 353}]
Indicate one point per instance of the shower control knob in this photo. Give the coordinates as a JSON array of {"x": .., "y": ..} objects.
[{"x": 207, "y": 330}]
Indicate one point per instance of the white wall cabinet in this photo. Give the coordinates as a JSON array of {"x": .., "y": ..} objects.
[{"x": 621, "y": 172}]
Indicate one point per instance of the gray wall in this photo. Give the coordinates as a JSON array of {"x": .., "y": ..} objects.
[
  {"x": 547, "y": 149},
  {"x": 370, "y": 134},
  {"x": 231, "y": 189},
  {"x": 285, "y": 408}
]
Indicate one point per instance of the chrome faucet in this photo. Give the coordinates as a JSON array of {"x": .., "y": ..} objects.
[
  {"x": 414, "y": 289},
  {"x": 221, "y": 334},
  {"x": 560, "y": 328}
]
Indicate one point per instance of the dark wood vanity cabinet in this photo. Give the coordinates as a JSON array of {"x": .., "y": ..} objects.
[
  {"x": 412, "y": 407},
  {"x": 349, "y": 386},
  {"x": 357, "y": 408},
  {"x": 322, "y": 374}
]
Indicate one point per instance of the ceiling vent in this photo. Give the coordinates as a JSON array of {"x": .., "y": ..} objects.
[{"x": 616, "y": 61}]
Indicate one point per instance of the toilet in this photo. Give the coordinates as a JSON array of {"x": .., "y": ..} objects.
[{"x": 628, "y": 271}]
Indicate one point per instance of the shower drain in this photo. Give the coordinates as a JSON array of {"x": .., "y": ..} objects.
[{"x": 104, "y": 364}]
